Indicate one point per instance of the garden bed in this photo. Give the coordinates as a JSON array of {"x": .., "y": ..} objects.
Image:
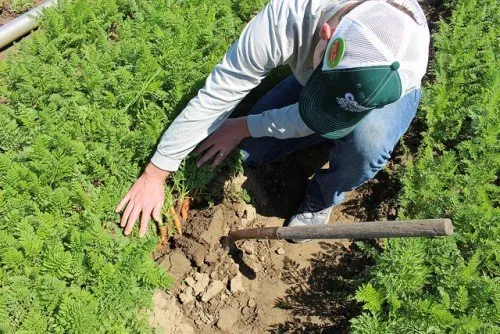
[{"x": 83, "y": 102}]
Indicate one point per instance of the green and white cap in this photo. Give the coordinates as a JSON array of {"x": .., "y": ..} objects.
[{"x": 376, "y": 54}]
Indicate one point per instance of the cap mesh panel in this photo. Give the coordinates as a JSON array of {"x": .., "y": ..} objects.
[
  {"x": 359, "y": 49},
  {"x": 376, "y": 33}
]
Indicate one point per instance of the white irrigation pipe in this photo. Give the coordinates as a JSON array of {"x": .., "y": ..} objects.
[{"x": 21, "y": 25}]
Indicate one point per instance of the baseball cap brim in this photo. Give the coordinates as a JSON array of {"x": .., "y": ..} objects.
[
  {"x": 315, "y": 109},
  {"x": 320, "y": 104}
]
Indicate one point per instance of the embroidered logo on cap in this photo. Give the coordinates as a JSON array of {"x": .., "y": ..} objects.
[
  {"x": 349, "y": 103},
  {"x": 335, "y": 52}
]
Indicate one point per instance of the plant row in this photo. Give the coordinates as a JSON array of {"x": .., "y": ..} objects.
[
  {"x": 451, "y": 284},
  {"x": 83, "y": 103},
  {"x": 16, "y": 6}
]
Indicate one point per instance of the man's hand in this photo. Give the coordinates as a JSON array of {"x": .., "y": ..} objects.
[
  {"x": 221, "y": 142},
  {"x": 146, "y": 198}
]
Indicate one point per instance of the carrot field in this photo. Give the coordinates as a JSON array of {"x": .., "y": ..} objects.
[
  {"x": 83, "y": 102},
  {"x": 86, "y": 97}
]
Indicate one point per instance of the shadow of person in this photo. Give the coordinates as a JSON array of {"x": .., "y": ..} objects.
[
  {"x": 277, "y": 188},
  {"x": 320, "y": 295}
]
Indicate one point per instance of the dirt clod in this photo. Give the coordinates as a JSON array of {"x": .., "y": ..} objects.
[
  {"x": 167, "y": 317},
  {"x": 245, "y": 310},
  {"x": 193, "y": 250},
  {"x": 247, "y": 247},
  {"x": 251, "y": 303},
  {"x": 236, "y": 284},
  {"x": 245, "y": 211},
  {"x": 190, "y": 281},
  {"x": 202, "y": 281},
  {"x": 215, "y": 229},
  {"x": 176, "y": 264},
  {"x": 212, "y": 290},
  {"x": 186, "y": 296},
  {"x": 227, "y": 318}
]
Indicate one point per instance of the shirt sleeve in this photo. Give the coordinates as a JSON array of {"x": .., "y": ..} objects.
[
  {"x": 280, "y": 123},
  {"x": 245, "y": 64}
]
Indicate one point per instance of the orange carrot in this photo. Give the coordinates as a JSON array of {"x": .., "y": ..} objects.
[
  {"x": 163, "y": 235},
  {"x": 167, "y": 221},
  {"x": 176, "y": 220},
  {"x": 185, "y": 207},
  {"x": 159, "y": 247},
  {"x": 178, "y": 205}
]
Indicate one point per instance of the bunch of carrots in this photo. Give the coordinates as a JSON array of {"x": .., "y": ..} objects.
[{"x": 173, "y": 213}]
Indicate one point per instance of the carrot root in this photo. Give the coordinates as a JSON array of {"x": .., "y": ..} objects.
[
  {"x": 185, "y": 207},
  {"x": 176, "y": 220},
  {"x": 159, "y": 247},
  {"x": 163, "y": 235},
  {"x": 178, "y": 205},
  {"x": 168, "y": 228}
]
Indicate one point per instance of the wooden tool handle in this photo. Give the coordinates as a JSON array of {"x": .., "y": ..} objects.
[
  {"x": 365, "y": 230},
  {"x": 254, "y": 233},
  {"x": 370, "y": 230}
]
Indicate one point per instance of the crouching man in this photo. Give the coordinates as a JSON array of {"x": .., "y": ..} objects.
[{"x": 357, "y": 68}]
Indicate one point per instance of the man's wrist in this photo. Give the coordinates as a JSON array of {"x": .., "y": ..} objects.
[
  {"x": 158, "y": 173},
  {"x": 243, "y": 127}
]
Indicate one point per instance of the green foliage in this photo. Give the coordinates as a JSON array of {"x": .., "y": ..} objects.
[
  {"x": 449, "y": 284},
  {"x": 246, "y": 9},
  {"x": 371, "y": 297},
  {"x": 83, "y": 103},
  {"x": 17, "y": 6}
]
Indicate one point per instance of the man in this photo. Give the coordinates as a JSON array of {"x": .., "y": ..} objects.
[{"x": 357, "y": 69}]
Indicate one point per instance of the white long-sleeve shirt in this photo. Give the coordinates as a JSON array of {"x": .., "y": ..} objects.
[{"x": 284, "y": 32}]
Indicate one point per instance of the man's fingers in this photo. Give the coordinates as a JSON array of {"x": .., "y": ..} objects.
[
  {"x": 144, "y": 222},
  {"x": 126, "y": 213},
  {"x": 218, "y": 159},
  {"x": 157, "y": 213},
  {"x": 203, "y": 146},
  {"x": 131, "y": 220},
  {"x": 122, "y": 203},
  {"x": 207, "y": 156}
]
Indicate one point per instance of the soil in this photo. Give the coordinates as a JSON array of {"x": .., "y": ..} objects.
[{"x": 271, "y": 286}]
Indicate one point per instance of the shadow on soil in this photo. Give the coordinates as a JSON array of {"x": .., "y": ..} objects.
[
  {"x": 376, "y": 200},
  {"x": 278, "y": 187},
  {"x": 319, "y": 296}
]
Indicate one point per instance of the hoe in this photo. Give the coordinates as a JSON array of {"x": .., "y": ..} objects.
[{"x": 361, "y": 230}]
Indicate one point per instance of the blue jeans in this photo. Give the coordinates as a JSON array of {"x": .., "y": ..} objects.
[{"x": 354, "y": 159}]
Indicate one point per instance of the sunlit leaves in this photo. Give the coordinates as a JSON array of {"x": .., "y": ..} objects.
[
  {"x": 83, "y": 103},
  {"x": 449, "y": 284}
]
